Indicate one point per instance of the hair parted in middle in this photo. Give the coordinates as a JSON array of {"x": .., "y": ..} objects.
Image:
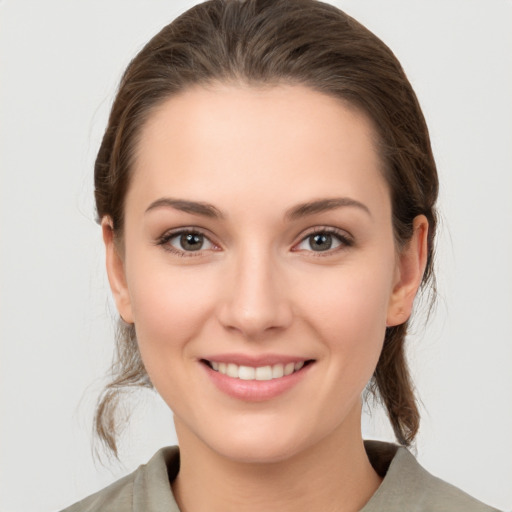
[{"x": 266, "y": 43}]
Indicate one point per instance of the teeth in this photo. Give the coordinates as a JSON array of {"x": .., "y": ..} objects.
[
  {"x": 232, "y": 370},
  {"x": 259, "y": 373},
  {"x": 263, "y": 373},
  {"x": 277, "y": 371},
  {"x": 245, "y": 373},
  {"x": 289, "y": 368}
]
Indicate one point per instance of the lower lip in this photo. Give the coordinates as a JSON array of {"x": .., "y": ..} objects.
[{"x": 255, "y": 390}]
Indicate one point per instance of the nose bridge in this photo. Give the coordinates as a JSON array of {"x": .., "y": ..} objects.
[{"x": 256, "y": 300}]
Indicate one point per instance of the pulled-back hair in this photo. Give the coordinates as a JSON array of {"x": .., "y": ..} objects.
[{"x": 272, "y": 42}]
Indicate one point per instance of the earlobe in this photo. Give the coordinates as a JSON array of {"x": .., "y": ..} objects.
[
  {"x": 116, "y": 271},
  {"x": 411, "y": 265}
]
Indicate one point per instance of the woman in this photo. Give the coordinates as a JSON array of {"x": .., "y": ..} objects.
[{"x": 266, "y": 191}]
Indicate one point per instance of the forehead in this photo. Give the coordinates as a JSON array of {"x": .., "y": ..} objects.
[{"x": 285, "y": 142}]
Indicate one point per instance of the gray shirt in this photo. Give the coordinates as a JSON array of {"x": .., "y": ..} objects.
[{"x": 406, "y": 487}]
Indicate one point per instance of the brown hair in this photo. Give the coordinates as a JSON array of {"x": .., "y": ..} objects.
[{"x": 270, "y": 42}]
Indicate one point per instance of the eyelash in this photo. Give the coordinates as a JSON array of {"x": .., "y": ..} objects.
[
  {"x": 167, "y": 237},
  {"x": 342, "y": 237},
  {"x": 345, "y": 241}
]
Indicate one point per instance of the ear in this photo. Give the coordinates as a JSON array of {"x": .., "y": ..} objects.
[
  {"x": 116, "y": 272},
  {"x": 411, "y": 263}
]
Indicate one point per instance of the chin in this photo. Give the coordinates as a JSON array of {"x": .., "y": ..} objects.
[
  {"x": 258, "y": 453},
  {"x": 253, "y": 447}
]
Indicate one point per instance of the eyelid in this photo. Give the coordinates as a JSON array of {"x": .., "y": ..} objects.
[
  {"x": 346, "y": 239},
  {"x": 164, "y": 239}
]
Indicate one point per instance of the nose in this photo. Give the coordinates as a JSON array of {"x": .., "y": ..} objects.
[{"x": 255, "y": 296}]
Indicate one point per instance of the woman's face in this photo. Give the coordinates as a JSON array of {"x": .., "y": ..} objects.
[{"x": 259, "y": 266}]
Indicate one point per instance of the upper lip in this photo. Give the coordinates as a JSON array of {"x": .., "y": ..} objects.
[{"x": 255, "y": 360}]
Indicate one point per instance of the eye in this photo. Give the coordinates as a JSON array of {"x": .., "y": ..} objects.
[
  {"x": 323, "y": 240},
  {"x": 186, "y": 241}
]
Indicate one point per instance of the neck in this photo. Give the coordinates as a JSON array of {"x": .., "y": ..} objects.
[{"x": 333, "y": 475}]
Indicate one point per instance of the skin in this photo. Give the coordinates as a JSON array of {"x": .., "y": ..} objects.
[{"x": 256, "y": 287}]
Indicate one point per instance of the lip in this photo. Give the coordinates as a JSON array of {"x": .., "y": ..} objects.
[{"x": 255, "y": 390}]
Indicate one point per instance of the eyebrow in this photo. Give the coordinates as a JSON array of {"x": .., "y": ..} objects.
[
  {"x": 323, "y": 205},
  {"x": 197, "y": 208},
  {"x": 295, "y": 213}
]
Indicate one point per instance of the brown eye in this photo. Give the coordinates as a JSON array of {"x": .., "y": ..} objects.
[
  {"x": 191, "y": 242},
  {"x": 188, "y": 241}
]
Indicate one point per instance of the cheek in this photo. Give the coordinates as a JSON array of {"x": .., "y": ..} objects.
[
  {"x": 169, "y": 305},
  {"x": 348, "y": 309}
]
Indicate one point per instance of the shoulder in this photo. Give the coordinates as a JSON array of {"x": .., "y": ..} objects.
[
  {"x": 148, "y": 485},
  {"x": 117, "y": 496},
  {"x": 408, "y": 486}
]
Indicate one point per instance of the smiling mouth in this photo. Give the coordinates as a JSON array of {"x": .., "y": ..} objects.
[{"x": 269, "y": 372}]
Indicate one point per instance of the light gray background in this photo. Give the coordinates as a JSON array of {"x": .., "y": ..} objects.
[{"x": 60, "y": 62}]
